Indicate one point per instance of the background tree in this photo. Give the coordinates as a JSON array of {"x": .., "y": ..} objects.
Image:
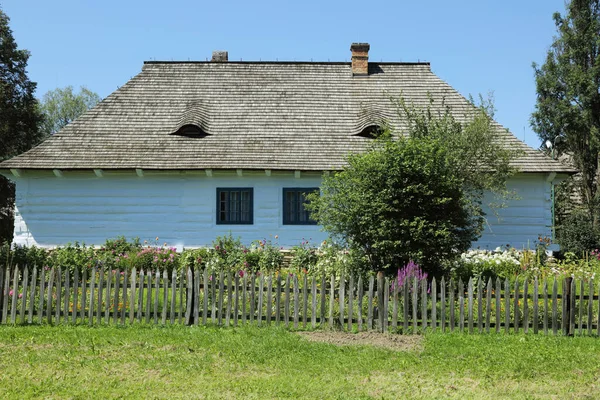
[
  {"x": 20, "y": 118},
  {"x": 62, "y": 106},
  {"x": 417, "y": 197},
  {"x": 568, "y": 96}
]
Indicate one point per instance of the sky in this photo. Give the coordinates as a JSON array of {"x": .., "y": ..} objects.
[{"x": 477, "y": 46}]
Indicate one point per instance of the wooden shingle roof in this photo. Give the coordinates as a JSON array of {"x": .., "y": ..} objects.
[{"x": 256, "y": 115}]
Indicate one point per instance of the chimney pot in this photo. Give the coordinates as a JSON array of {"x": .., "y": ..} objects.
[
  {"x": 360, "y": 58},
  {"x": 220, "y": 56}
]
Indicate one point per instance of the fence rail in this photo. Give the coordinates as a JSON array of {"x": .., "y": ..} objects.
[{"x": 95, "y": 296}]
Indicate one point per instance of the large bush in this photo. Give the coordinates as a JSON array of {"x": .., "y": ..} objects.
[
  {"x": 577, "y": 235},
  {"x": 417, "y": 197}
]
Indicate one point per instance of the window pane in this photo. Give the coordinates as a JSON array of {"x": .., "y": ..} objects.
[
  {"x": 223, "y": 206},
  {"x": 234, "y": 206}
]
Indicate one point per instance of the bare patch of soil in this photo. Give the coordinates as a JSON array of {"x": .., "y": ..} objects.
[{"x": 384, "y": 340}]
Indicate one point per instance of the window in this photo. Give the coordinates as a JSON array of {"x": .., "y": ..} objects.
[
  {"x": 294, "y": 212},
  {"x": 234, "y": 205}
]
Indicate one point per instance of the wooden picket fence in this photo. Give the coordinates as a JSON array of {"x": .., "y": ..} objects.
[{"x": 96, "y": 296}]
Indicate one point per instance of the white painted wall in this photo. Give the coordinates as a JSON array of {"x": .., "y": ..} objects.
[{"x": 180, "y": 209}]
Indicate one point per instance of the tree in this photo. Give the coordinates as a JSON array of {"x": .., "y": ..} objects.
[
  {"x": 62, "y": 106},
  {"x": 417, "y": 197},
  {"x": 20, "y": 118},
  {"x": 568, "y": 96}
]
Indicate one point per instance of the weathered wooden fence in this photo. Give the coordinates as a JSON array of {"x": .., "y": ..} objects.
[{"x": 96, "y": 296}]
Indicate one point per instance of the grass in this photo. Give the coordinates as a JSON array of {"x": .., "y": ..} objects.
[{"x": 249, "y": 362}]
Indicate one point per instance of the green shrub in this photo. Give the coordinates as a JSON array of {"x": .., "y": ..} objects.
[
  {"x": 73, "y": 256},
  {"x": 577, "y": 234}
]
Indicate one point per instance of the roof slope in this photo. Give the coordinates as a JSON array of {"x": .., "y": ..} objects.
[{"x": 257, "y": 115}]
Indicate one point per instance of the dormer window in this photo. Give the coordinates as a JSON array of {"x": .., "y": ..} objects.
[
  {"x": 371, "y": 132},
  {"x": 191, "y": 130}
]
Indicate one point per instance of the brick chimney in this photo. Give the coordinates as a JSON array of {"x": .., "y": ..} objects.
[
  {"x": 220, "y": 56},
  {"x": 360, "y": 58}
]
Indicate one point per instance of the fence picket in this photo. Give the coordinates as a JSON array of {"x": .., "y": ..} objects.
[
  {"x": 205, "y": 296},
  {"x": 252, "y": 297},
  {"x": 236, "y": 304},
  {"x": 461, "y": 305},
  {"x": 443, "y": 305},
  {"x": 342, "y": 293},
  {"x": 415, "y": 305},
  {"x": 386, "y": 305},
  {"x": 213, "y": 297},
  {"x": 140, "y": 307},
  {"x": 25, "y": 293},
  {"x": 109, "y": 302},
  {"x": 545, "y": 296},
  {"x": 433, "y": 304},
  {"x": 506, "y": 305},
  {"x": 5, "y": 294},
  {"x": 360, "y": 294},
  {"x": 452, "y": 308},
  {"x": 92, "y": 294},
  {"x": 565, "y": 304},
  {"x": 590, "y": 304},
  {"x": 470, "y": 303},
  {"x": 479, "y": 305},
  {"x": 181, "y": 297},
  {"x": 370, "y": 303},
  {"x": 58, "y": 295},
  {"x": 405, "y": 298},
  {"x": 296, "y": 301},
  {"x": 75, "y": 294},
  {"x": 581, "y": 288},
  {"x": 554, "y": 307},
  {"x": 286, "y": 305},
  {"x": 124, "y": 296},
  {"x": 244, "y": 288},
  {"x": 488, "y": 305},
  {"x": 189, "y": 298},
  {"x": 32, "y": 296},
  {"x": 229, "y": 298},
  {"x": 67, "y": 296},
  {"x": 15, "y": 291},
  {"x": 313, "y": 315},
  {"x": 305, "y": 301},
  {"x": 117, "y": 295},
  {"x": 132, "y": 292},
  {"x": 323, "y": 299},
  {"x": 221, "y": 292},
  {"x": 525, "y": 306},
  {"x": 101, "y": 296},
  {"x": 535, "y": 306},
  {"x": 49, "y": 298},
  {"x": 572, "y": 313},
  {"x": 165, "y": 286},
  {"x": 394, "y": 306},
  {"x": 196, "y": 293},
  {"x": 155, "y": 297},
  {"x": 331, "y": 300},
  {"x": 40, "y": 311},
  {"x": 278, "y": 301},
  {"x": 261, "y": 284},
  {"x": 516, "y": 306}
]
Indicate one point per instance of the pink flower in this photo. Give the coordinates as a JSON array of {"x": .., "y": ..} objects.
[
  {"x": 20, "y": 295},
  {"x": 10, "y": 293}
]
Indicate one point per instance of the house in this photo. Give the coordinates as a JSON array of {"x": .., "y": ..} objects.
[{"x": 187, "y": 151}]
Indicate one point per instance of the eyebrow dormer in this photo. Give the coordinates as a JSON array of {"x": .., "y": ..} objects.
[
  {"x": 192, "y": 122},
  {"x": 371, "y": 132}
]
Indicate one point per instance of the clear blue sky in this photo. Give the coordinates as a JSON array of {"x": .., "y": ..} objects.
[{"x": 477, "y": 46}]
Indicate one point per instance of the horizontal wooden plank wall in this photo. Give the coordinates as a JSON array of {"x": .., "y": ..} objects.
[{"x": 98, "y": 297}]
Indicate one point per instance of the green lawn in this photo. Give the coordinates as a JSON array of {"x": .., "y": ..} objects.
[{"x": 250, "y": 362}]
